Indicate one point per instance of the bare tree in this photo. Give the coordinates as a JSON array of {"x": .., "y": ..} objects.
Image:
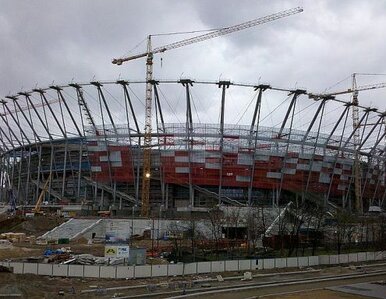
[
  {"x": 216, "y": 218},
  {"x": 345, "y": 226},
  {"x": 255, "y": 227}
]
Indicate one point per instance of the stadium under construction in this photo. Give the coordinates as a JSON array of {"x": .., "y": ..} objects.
[{"x": 83, "y": 145}]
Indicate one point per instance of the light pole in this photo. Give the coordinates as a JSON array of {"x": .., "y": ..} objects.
[
  {"x": 159, "y": 218},
  {"x": 132, "y": 224}
]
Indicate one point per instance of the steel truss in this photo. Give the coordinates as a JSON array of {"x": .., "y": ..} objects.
[{"x": 70, "y": 134}]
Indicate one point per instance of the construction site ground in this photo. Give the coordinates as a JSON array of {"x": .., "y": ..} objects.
[{"x": 34, "y": 286}]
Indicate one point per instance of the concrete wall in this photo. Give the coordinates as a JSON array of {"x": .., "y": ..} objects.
[
  {"x": 99, "y": 230},
  {"x": 158, "y": 227},
  {"x": 180, "y": 269}
]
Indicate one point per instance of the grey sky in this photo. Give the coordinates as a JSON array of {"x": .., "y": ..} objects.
[{"x": 61, "y": 41}]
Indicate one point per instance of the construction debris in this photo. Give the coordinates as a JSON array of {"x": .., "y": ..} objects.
[
  {"x": 89, "y": 259},
  {"x": 14, "y": 237},
  {"x": 5, "y": 244}
]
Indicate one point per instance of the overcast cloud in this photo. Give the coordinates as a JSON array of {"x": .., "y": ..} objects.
[{"x": 61, "y": 41}]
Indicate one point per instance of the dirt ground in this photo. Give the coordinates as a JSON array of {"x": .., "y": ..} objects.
[
  {"x": 30, "y": 226},
  {"x": 317, "y": 294},
  {"x": 33, "y": 286}
]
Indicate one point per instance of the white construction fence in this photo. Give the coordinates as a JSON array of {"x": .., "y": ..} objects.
[{"x": 181, "y": 269}]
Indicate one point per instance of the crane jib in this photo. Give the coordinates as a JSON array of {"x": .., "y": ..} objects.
[{"x": 217, "y": 33}]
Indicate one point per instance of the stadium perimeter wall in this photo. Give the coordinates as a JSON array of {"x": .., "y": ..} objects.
[{"x": 181, "y": 269}]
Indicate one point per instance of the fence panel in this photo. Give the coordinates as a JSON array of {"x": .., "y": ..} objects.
[
  {"x": 292, "y": 262},
  {"x": 352, "y": 257},
  {"x": 45, "y": 269},
  {"x": 142, "y": 271},
  {"x": 18, "y": 268},
  {"x": 343, "y": 258},
  {"x": 313, "y": 260},
  {"x": 280, "y": 262},
  {"x": 190, "y": 268},
  {"x": 30, "y": 268},
  {"x": 159, "y": 270},
  {"x": 269, "y": 263},
  {"x": 303, "y": 261},
  {"x": 203, "y": 267},
  {"x": 378, "y": 255},
  {"x": 60, "y": 270},
  {"x": 107, "y": 271},
  {"x": 76, "y": 270},
  {"x": 231, "y": 265},
  {"x": 125, "y": 272},
  {"x": 175, "y": 269},
  {"x": 245, "y": 265},
  {"x": 361, "y": 256},
  {"x": 370, "y": 256},
  {"x": 334, "y": 259},
  {"x": 218, "y": 266},
  {"x": 324, "y": 259},
  {"x": 91, "y": 271}
]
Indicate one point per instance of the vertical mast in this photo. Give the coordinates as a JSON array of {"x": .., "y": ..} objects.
[
  {"x": 357, "y": 174},
  {"x": 147, "y": 147}
]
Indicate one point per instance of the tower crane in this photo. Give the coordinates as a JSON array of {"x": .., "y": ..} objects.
[
  {"x": 355, "y": 124},
  {"x": 354, "y": 91},
  {"x": 149, "y": 88}
]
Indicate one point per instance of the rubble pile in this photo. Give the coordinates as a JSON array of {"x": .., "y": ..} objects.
[
  {"x": 89, "y": 259},
  {"x": 65, "y": 257}
]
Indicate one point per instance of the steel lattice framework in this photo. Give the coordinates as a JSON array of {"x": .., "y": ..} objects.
[{"x": 86, "y": 139}]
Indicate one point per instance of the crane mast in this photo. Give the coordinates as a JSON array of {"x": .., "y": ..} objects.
[
  {"x": 146, "y": 175},
  {"x": 357, "y": 173},
  {"x": 147, "y": 146}
]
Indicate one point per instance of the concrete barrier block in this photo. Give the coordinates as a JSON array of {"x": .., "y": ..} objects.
[
  {"x": 231, "y": 265},
  {"x": 142, "y": 271},
  {"x": 30, "y": 268},
  {"x": 45, "y": 269},
  {"x": 334, "y": 259},
  {"x": 280, "y": 262},
  {"x": 17, "y": 267},
  {"x": 91, "y": 271},
  {"x": 108, "y": 271},
  {"x": 218, "y": 266},
  {"x": 313, "y": 260},
  {"x": 75, "y": 270},
  {"x": 125, "y": 272},
  {"x": 60, "y": 270},
  {"x": 352, "y": 257},
  {"x": 244, "y": 265},
  {"x": 361, "y": 256},
  {"x": 159, "y": 270},
  {"x": 203, "y": 267},
  {"x": 269, "y": 263},
  {"x": 190, "y": 268},
  {"x": 292, "y": 262},
  {"x": 343, "y": 258},
  {"x": 370, "y": 256},
  {"x": 324, "y": 259}
]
